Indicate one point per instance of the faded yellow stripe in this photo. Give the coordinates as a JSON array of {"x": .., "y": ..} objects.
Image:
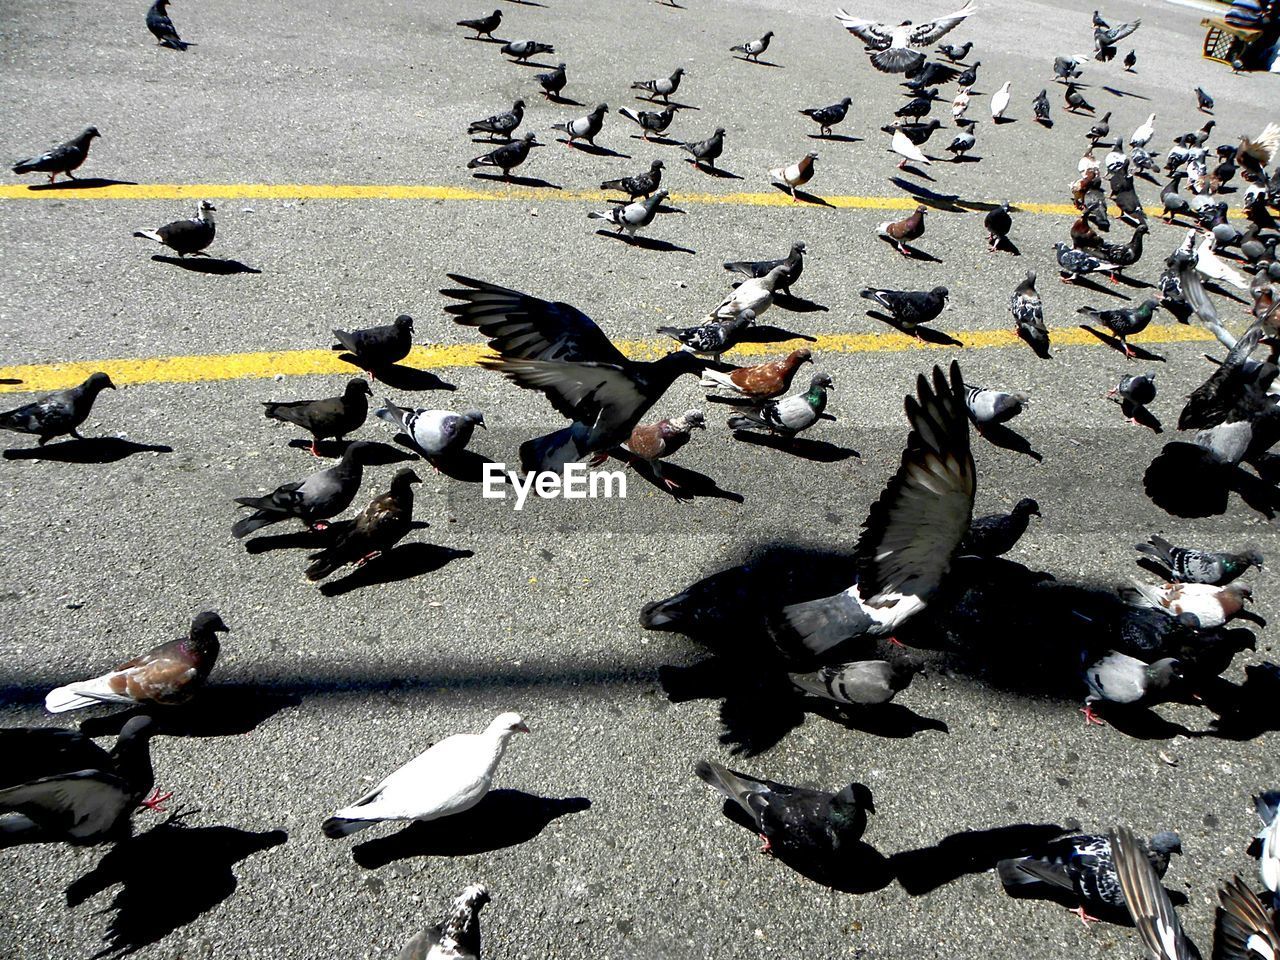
[{"x": 296, "y": 363}]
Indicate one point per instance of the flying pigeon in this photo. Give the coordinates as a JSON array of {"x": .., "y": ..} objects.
[
  {"x": 641, "y": 185},
  {"x": 861, "y": 683},
  {"x": 631, "y": 216},
  {"x": 162, "y": 27},
  {"x": 706, "y": 151},
  {"x": 993, "y": 406},
  {"x": 1123, "y": 322},
  {"x": 891, "y": 44},
  {"x": 1040, "y": 107},
  {"x": 34, "y": 752},
  {"x": 552, "y": 82},
  {"x": 57, "y": 413},
  {"x": 912, "y": 531},
  {"x": 652, "y": 442},
  {"x": 1073, "y": 263},
  {"x": 1189, "y": 565},
  {"x": 828, "y": 117},
  {"x": 376, "y": 348},
  {"x": 956, "y": 53},
  {"x": 324, "y": 494},
  {"x": 761, "y": 382},
  {"x": 500, "y": 124},
  {"x": 901, "y": 144},
  {"x": 662, "y": 87},
  {"x": 557, "y": 349},
  {"x": 998, "y": 533},
  {"x": 1120, "y": 678},
  {"x": 794, "y": 175},
  {"x": 795, "y": 822},
  {"x": 332, "y": 417},
  {"x": 1215, "y": 268},
  {"x": 903, "y": 232},
  {"x": 752, "y": 49},
  {"x": 1204, "y": 102},
  {"x": 998, "y": 223},
  {"x": 522, "y": 50},
  {"x": 713, "y": 336},
  {"x": 1028, "y": 315},
  {"x": 650, "y": 121},
  {"x": 61, "y": 159},
  {"x": 1106, "y": 38},
  {"x": 450, "y": 777},
  {"x": 584, "y": 128},
  {"x": 1000, "y": 101},
  {"x": 755, "y": 294},
  {"x": 167, "y": 674},
  {"x": 1213, "y": 606},
  {"x": 790, "y": 415},
  {"x": 1133, "y": 393},
  {"x": 483, "y": 26},
  {"x": 378, "y": 528},
  {"x": 793, "y": 262},
  {"x": 458, "y": 936},
  {"x": 910, "y": 308},
  {"x": 508, "y": 156},
  {"x": 186, "y": 236},
  {"x": 437, "y": 433}
]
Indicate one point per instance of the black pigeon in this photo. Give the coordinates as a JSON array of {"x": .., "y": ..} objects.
[
  {"x": 332, "y": 417},
  {"x": 378, "y": 528},
  {"x": 62, "y": 159},
  {"x": 31, "y": 753},
  {"x": 1123, "y": 322},
  {"x": 708, "y": 150},
  {"x": 713, "y": 337},
  {"x": 970, "y": 76},
  {"x": 1130, "y": 61},
  {"x": 795, "y": 823},
  {"x": 1040, "y": 106},
  {"x": 641, "y": 185},
  {"x": 522, "y": 50},
  {"x": 956, "y": 53},
  {"x": 483, "y": 26},
  {"x": 376, "y": 348},
  {"x": 929, "y": 74},
  {"x": 998, "y": 224},
  {"x": 910, "y": 308},
  {"x": 552, "y": 82},
  {"x": 324, "y": 494},
  {"x": 57, "y": 413},
  {"x": 500, "y": 124},
  {"x": 557, "y": 349},
  {"x": 507, "y": 157},
  {"x": 997, "y": 534},
  {"x": 1236, "y": 390},
  {"x": 793, "y": 261},
  {"x": 1125, "y": 254},
  {"x": 918, "y": 106},
  {"x": 650, "y": 121},
  {"x": 1204, "y": 102},
  {"x": 828, "y": 117},
  {"x": 1189, "y": 565},
  {"x": 917, "y": 133},
  {"x": 1102, "y": 129},
  {"x": 162, "y": 27},
  {"x": 458, "y": 936},
  {"x": 1028, "y": 315},
  {"x": 186, "y": 236}
]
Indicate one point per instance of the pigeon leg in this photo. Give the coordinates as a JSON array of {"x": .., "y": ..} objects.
[
  {"x": 765, "y": 846},
  {"x": 320, "y": 526},
  {"x": 902, "y": 164},
  {"x": 1091, "y": 718},
  {"x": 314, "y": 451},
  {"x": 153, "y": 802},
  {"x": 1127, "y": 351},
  {"x": 1068, "y": 278},
  {"x": 372, "y": 555},
  {"x": 896, "y": 642},
  {"x": 1084, "y": 916},
  {"x": 52, "y": 177}
]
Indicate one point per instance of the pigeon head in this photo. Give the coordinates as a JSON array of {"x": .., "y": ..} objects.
[
  {"x": 941, "y": 292},
  {"x": 853, "y": 800},
  {"x": 90, "y": 133},
  {"x": 690, "y": 420},
  {"x": 811, "y": 155},
  {"x": 1165, "y": 843},
  {"x": 1027, "y": 507},
  {"x": 601, "y": 108},
  {"x": 678, "y": 72},
  {"x": 528, "y": 138},
  {"x": 1252, "y": 557},
  {"x": 518, "y": 105},
  {"x": 845, "y": 101},
  {"x": 403, "y": 478},
  {"x": 803, "y": 355},
  {"x": 821, "y": 381},
  {"x": 1164, "y": 672},
  {"x": 474, "y": 417},
  {"x": 1188, "y": 621},
  {"x": 719, "y": 132},
  {"x": 768, "y": 34},
  {"x": 403, "y": 323},
  {"x": 1241, "y": 593},
  {"x": 356, "y": 387},
  {"x": 657, "y": 165},
  {"x": 208, "y": 622},
  {"x": 98, "y": 381},
  {"x": 506, "y": 724},
  {"x": 798, "y": 247}
]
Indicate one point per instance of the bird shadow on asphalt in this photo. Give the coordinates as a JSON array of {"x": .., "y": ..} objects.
[
  {"x": 563, "y": 101},
  {"x": 834, "y": 137},
  {"x": 377, "y": 454},
  {"x": 403, "y": 562},
  {"x": 712, "y": 171},
  {"x": 88, "y": 183},
  {"x": 948, "y": 202},
  {"x": 1186, "y": 481},
  {"x": 768, "y": 333},
  {"x": 399, "y": 377},
  {"x": 796, "y": 304},
  {"x": 1084, "y": 283},
  {"x": 1143, "y": 417},
  {"x": 763, "y": 63},
  {"x": 1005, "y": 437},
  {"x": 88, "y": 450},
  {"x": 167, "y": 877},
  {"x": 802, "y": 196},
  {"x": 517, "y": 181},
  {"x": 818, "y": 451},
  {"x": 466, "y": 465},
  {"x": 1008, "y": 246},
  {"x": 1137, "y": 353},
  {"x": 214, "y": 266},
  {"x": 497, "y": 40},
  {"x": 504, "y": 818},
  {"x": 657, "y": 140},
  {"x": 1117, "y": 92},
  {"x": 915, "y": 171},
  {"x": 218, "y": 710},
  {"x": 645, "y": 243},
  {"x": 594, "y": 149},
  {"x": 690, "y": 484},
  {"x": 927, "y": 334}
]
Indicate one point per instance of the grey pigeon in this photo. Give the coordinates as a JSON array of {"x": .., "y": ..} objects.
[
  {"x": 956, "y": 53},
  {"x": 33, "y": 752},
  {"x": 522, "y": 50},
  {"x": 650, "y": 121},
  {"x": 662, "y": 87},
  {"x": 1073, "y": 264},
  {"x": 970, "y": 76},
  {"x": 789, "y": 415},
  {"x": 708, "y": 150},
  {"x": 1203, "y": 101},
  {"x": 1190, "y": 565},
  {"x": 993, "y": 406},
  {"x": 1101, "y": 128},
  {"x": 552, "y": 82},
  {"x": 1040, "y": 107},
  {"x": 507, "y": 157},
  {"x": 1133, "y": 393},
  {"x": 757, "y": 269},
  {"x": 376, "y": 348},
  {"x": 712, "y": 337},
  {"x": 795, "y": 823},
  {"x": 751, "y": 49},
  {"x": 1106, "y": 38},
  {"x": 332, "y": 417},
  {"x": 1120, "y": 678},
  {"x": 1075, "y": 100},
  {"x": 1124, "y": 322},
  {"x": 859, "y": 683},
  {"x": 828, "y": 117},
  {"x": 378, "y": 528},
  {"x": 437, "y": 433},
  {"x": 500, "y": 124},
  {"x": 457, "y": 937},
  {"x": 1066, "y": 68},
  {"x": 641, "y": 185},
  {"x": 963, "y": 141},
  {"x": 910, "y": 308},
  {"x": 584, "y": 128},
  {"x": 186, "y": 236},
  {"x": 483, "y": 26},
  {"x": 1028, "y": 315},
  {"x": 162, "y": 27},
  {"x": 322, "y": 495},
  {"x": 61, "y": 159},
  {"x": 57, "y": 413},
  {"x": 631, "y": 216},
  {"x": 998, "y": 533}
]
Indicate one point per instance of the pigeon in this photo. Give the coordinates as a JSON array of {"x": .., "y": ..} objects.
[
  {"x": 1125, "y": 254},
  {"x": 1075, "y": 100},
  {"x": 1242, "y": 928},
  {"x": 890, "y": 46},
  {"x": 649, "y": 121},
  {"x": 458, "y": 936},
  {"x": 1213, "y": 267},
  {"x": 1074, "y": 263},
  {"x": 970, "y": 77},
  {"x": 828, "y": 117},
  {"x": 651, "y": 442},
  {"x": 956, "y": 53},
  {"x": 1212, "y": 606},
  {"x": 1174, "y": 202},
  {"x": 902, "y": 145},
  {"x": 552, "y": 82},
  {"x": 1105, "y": 39},
  {"x": 34, "y": 752},
  {"x": 917, "y": 107},
  {"x": 522, "y": 50},
  {"x": 632, "y": 216},
  {"x": 755, "y": 294},
  {"x": 1000, "y": 101},
  {"x": 1082, "y": 865},
  {"x": 706, "y": 151},
  {"x": 500, "y": 124},
  {"x": 82, "y": 807},
  {"x": 1040, "y": 107},
  {"x": 910, "y": 308},
  {"x": 378, "y": 528},
  {"x": 1254, "y": 155},
  {"x": 324, "y": 494},
  {"x": 902, "y": 232},
  {"x": 1133, "y": 393},
  {"x": 186, "y": 236},
  {"x": 1189, "y": 565},
  {"x": 712, "y": 337},
  {"x": 167, "y": 674},
  {"x": 1268, "y": 806},
  {"x": 508, "y": 156},
  {"x": 483, "y": 26},
  {"x": 912, "y": 531},
  {"x": 333, "y": 417},
  {"x": 584, "y": 128},
  {"x": 641, "y": 185},
  {"x": 1123, "y": 322},
  {"x": 557, "y": 349},
  {"x": 959, "y": 105},
  {"x": 862, "y": 683},
  {"x": 1120, "y": 678},
  {"x": 790, "y": 415},
  {"x": 1142, "y": 136},
  {"x": 963, "y": 141},
  {"x": 62, "y": 159},
  {"x": 794, "y": 175},
  {"x": 751, "y": 49},
  {"x": 662, "y": 87},
  {"x": 450, "y": 777},
  {"x": 1130, "y": 61},
  {"x": 1066, "y": 68},
  {"x": 162, "y": 27},
  {"x": 993, "y": 406},
  {"x": 1101, "y": 129},
  {"x": 795, "y": 823},
  {"x": 997, "y": 534},
  {"x": 917, "y": 134},
  {"x": 437, "y": 433},
  {"x": 793, "y": 261},
  {"x": 761, "y": 382},
  {"x": 1236, "y": 390},
  {"x": 1028, "y": 315},
  {"x": 998, "y": 224},
  {"x": 58, "y": 413},
  {"x": 1204, "y": 102},
  {"x": 376, "y": 348}
]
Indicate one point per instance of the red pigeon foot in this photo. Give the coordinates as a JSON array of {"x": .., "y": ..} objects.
[
  {"x": 896, "y": 642},
  {"x": 1085, "y": 918},
  {"x": 671, "y": 484},
  {"x": 765, "y": 846},
  {"x": 1092, "y": 718},
  {"x": 314, "y": 451},
  {"x": 367, "y": 557},
  {"x": 153, "y": 802},
  {"x": 320, "y": 526}
]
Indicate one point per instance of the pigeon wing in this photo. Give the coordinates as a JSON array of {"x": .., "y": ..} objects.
[
  {"x": 586, "y": 392},
  {"x": 873, "y": 34},
  {"x": 934, "y": 30},
  {"x": 84, "y": 804},
  {"x": 1153, "y": 915}
]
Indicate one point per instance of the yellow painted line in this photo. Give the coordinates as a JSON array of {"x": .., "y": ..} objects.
[{"x": 295, "y": 363}]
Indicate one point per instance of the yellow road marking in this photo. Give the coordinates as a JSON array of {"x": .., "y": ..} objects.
[{"x": 295, "y": 363}]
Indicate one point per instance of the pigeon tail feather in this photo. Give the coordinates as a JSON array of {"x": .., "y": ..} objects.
[
  {"x": 77, "y": 696},
  {"x": 714, "y": 378},
  {"x": 148, "y": 235},
  {"x": 819, "y": 625},
  {"x": 339, "y": 826}
]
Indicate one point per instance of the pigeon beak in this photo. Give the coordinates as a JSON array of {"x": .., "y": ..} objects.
[
  {"x": 482, "y": 424},
  {"x": 521, "y": 727}
]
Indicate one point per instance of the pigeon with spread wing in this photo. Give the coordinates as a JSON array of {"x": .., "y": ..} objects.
[{"x": 892, "y": 44}]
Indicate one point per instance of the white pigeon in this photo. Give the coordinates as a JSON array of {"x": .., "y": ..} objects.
[
  {"x": 1213, "y": 267},
  {"x": 903, "y": 146},
  {"x": 435, "y": 432},
  {"x": 1088, "y": 161},
  {"x": 960, "y": 104},
  {"x": 1000, "y": 100},
  {"x": 755, "y": 294},
  {"x": 1142, "y": 136},
  {"x": 1269, "y": 836},
  {"x": 890, "y": 45},
  {"x": 794, "y": 175},
  {"x": 632, "y": 216},
  {"x": 450, "y": 777},
  {"x": 1212, "y": 606}
]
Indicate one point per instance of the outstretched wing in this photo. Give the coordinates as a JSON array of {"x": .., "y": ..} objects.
[
  {"x": 83, "y": 805},
  {"x": 1153, "y": 915},
  {"x": 520, "y": 326},
  {"x": 1242, "y": 930},
  {"x": 596, "y": 394},
  {"x": 1111, "y": 36},
  {"x": 873, "y": 34},
  {"x": 934, "y": 30},
  {"x": 1217, "y": 398}
]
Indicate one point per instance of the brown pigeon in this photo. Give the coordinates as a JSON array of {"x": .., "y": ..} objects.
[
  {"x": 761, "y": 382},
  {"x": 380, "y": 526},
  {"x": 651, "y": 442},
  {"x": 904, "y": 231}
]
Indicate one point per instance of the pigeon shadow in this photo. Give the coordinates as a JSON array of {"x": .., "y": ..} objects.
[
  {"x": 1115, "y": 91},
  {"x": 466, "y": 466},
  {"x": 88, "y": 450},
  {"x": 656, "y": 140},
  {"x": 768, "y": 333},
  {"x": 1186, "y": 481},
  {"x": 915, "y": 171},
  {"x": 690, "y": 485},
  {"x": 646, "y": 243},
  {"x": 802, "y": 196},
  {"x": 795, "y": 304},
  {"x": 1143, "y": 417},
  {"x": 298, "y": 540},
  {"x": 930, "y": 198},
  {"x": 399, "y": 377},
  {"x": 1248, "y": 710},
  {"x": 403, "y": 562},
  {"x": 564, "y": 101},
  {"x": 89, "y": 183},
  {"x": 1135, "y": 352},
  {"x": 664, "y": 103},
  {"x": 912, "y": 253},
  {"x": 498, "y": 40},
  {"x": 532, "y": 63},
  {"x": 504, "y": 818},
  {"x": 834, "y": 137},
  {"x": 1001, "y": 121},
  {"x": 818, "y": 451},
  {"x": 594, "y": 149},
  {"x": 1007, "y": 245},
  {"x": 1000, "y": 435},
  {"x": 1084, "y": 283},
  {"x": 927, "y": 334},
  {"x": 712, "y": 171},
  {"x": 517, "y": 181},
  {"x": 168, "y": 877},
  {"x": 971, "y": 851},
  {"x": 213, "y": 266},
  {"x": 221, "y": 710},
  {"x": 9, "y": 381},
  {"x": 893, "y": 721},
  {"x": 763, "y": 63}
]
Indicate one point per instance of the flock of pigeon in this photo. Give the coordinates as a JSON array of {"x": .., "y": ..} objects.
[{"x": 59, "y": 785}]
